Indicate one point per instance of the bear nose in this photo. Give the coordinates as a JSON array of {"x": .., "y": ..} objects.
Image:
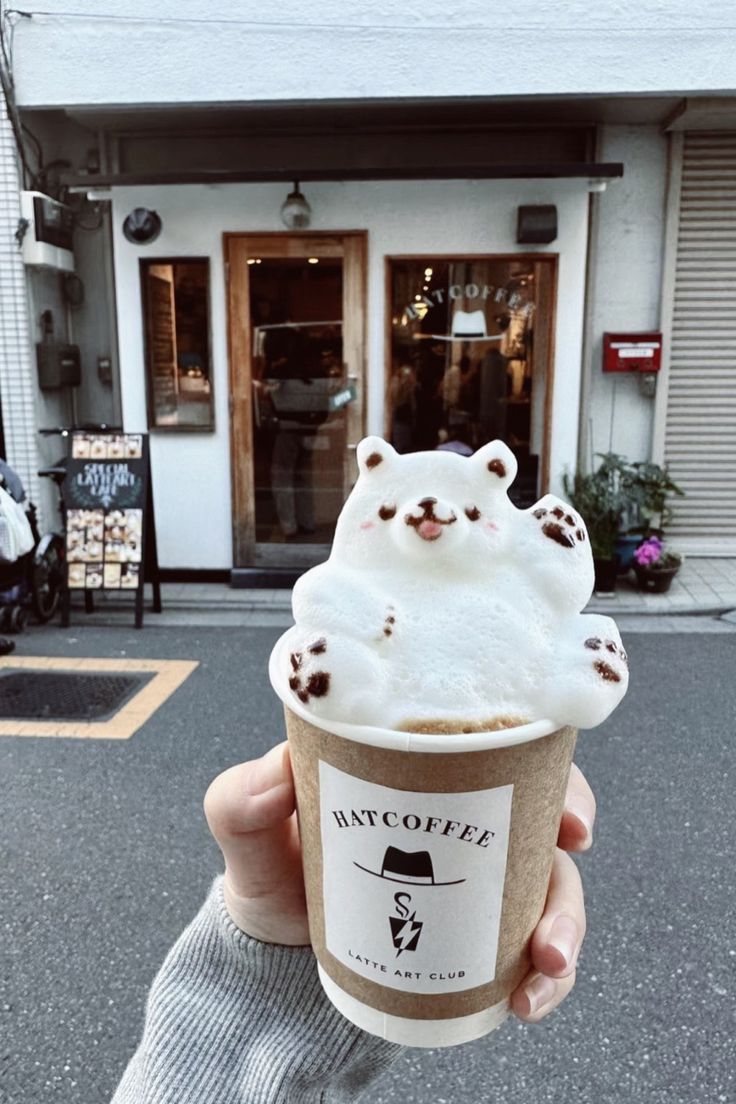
[{"x": 426, "y": 504}]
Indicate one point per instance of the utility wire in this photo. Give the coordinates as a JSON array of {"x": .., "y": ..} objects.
[
  {"x": 7, "y": 83},
  {"x": 8, "y": 88}
]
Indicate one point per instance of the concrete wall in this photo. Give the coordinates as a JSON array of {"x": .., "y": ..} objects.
[
  {"x": 194, "y": 525},
  {"x": 186, "y": 52},
  {"x": 627, "y": 250}
]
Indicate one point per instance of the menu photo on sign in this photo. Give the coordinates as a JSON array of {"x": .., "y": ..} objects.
[
  {"x": 107, "y": 446},
  {"x": 104, "y": 549},
  {"x": 105, "y": 496}
]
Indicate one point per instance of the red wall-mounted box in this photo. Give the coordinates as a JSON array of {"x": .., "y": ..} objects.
[{"x": 632, "y": 352}]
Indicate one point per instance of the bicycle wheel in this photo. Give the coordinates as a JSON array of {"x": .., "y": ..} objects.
[{"x": 46, "y": 577}]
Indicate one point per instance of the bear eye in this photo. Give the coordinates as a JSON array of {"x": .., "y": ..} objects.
[
  {"x": 472, "y": 513},
  {"x": 386, "y": 513}
]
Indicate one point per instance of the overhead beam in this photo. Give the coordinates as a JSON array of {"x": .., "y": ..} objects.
[{"x": 594, "y": 170}]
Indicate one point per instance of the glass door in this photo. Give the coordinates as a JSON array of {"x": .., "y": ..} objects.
[{"x": 296, "y": 320}]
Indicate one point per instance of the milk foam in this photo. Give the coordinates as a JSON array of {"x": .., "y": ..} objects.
[{"x": 443, "y": 602}]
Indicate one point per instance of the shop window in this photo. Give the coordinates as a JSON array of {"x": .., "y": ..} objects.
[
  {"x": 471, "y": 357},
  {"x": 176, "y": 295}
]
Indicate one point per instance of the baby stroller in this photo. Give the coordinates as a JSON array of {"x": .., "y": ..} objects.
[{"x": 31, "y": 566}]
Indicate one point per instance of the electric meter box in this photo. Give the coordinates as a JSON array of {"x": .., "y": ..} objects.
[
  {"x": 58, "y": 365},
  {"x": 48, "y": 240}
]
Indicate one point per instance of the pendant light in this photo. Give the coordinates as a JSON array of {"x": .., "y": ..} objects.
[{"x": 296, "y": 214}]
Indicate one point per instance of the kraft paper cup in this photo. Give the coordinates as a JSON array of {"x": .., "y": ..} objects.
[{"x": 426, "y": 864}]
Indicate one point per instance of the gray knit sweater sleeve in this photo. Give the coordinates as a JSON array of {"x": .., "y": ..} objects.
[{"x": 232, "y": 1020}]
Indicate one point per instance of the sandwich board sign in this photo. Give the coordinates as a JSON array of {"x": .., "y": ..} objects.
[{"x": 109, "y": 522}]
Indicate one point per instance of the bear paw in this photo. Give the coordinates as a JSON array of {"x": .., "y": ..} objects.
[
  {"x": 389, "y": 622},
  {"x": 611, "y": 662},
  {"x": 561, "y": 526},
  {"x": 308, "y": 678}
]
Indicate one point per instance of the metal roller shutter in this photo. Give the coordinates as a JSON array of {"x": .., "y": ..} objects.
[{"x": 700, "y": 434}]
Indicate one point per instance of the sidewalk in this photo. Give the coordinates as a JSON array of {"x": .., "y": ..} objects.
[{"x": 703, "y": 586}]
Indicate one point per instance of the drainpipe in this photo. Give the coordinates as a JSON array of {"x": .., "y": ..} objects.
[{"x": 584, "y": 460}]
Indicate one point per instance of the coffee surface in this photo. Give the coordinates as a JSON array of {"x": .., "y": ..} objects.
[{"x": 453, "y": 728}]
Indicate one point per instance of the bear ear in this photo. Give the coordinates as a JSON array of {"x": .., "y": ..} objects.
[
  {"x": 372, "y": 452},
  {"x": 498, "y": 462}
]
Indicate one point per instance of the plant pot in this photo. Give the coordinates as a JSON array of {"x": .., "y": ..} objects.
[
  {"x": 626, "y": 545},
  {"x": 605, "y": 574},
  {"x": 656, "y": 581}
]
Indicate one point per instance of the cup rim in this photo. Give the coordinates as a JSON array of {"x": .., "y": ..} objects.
[{"x": 394, "y": 739}]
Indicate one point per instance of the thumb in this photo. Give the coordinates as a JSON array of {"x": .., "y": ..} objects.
[{"x": 250, "y": 812}]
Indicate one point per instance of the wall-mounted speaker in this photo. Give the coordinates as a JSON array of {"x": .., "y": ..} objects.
[{"x": 537, "y": 225}]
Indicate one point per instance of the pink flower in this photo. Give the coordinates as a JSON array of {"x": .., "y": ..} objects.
[{"x": 648, "y": 552}]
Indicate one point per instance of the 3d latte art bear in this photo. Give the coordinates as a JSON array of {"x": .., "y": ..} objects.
[{"x": 443, "y": 607}]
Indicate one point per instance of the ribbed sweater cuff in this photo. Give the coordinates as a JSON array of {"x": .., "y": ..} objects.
[{"x": 232, "y": 1020}]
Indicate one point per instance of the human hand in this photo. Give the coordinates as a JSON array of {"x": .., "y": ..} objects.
[
  {"x": 560, "y": 932},
  {"x": 250, "y": 809}
]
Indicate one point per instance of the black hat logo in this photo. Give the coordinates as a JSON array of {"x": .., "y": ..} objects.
[{"x": 408, "y": 868}]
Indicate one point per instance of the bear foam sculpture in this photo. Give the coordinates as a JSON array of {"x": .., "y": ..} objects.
[{"x": 442, "y": 604}]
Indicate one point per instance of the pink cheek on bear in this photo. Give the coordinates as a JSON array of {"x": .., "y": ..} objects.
[
  {"x": 492, "y": 526},
  {"x": 367, "y": 525}
]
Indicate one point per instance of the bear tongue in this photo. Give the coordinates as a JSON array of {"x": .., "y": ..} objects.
[{"x": 429, "y": 530}]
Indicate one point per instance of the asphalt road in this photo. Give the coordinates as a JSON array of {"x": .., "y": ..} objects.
[{"x": 106, "y": 856}]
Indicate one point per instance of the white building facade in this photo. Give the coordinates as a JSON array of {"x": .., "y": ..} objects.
[{"x": 416, "y": 304}]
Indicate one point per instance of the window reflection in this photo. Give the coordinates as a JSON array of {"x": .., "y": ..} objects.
[
  {"x": 470, "y": 351},
  {"x": 176, "y": 308}
]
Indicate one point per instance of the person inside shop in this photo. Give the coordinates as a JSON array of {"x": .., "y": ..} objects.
[
  {"x": 455, "y": 439},
  {"x": 403, "y": 395},
  {"x": 237, "y": 1014}
]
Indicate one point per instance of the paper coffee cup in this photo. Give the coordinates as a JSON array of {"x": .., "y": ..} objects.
[{"x": 426, "y": 864}]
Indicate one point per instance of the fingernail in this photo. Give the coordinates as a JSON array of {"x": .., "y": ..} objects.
[
  {"x": 268, "y": 772},
  {"x": 539, "y": 992},
  {"x": 581, "y": 813},
  {"x": 563, "y": 937}
]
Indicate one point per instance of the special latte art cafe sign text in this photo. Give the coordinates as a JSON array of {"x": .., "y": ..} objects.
[{"x": 106, "y": 484}]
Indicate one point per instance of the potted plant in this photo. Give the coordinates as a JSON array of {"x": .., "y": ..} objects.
[
  {"x": 649, "y": 486},
  {"x": 598, "y": 497},
  {"x": 655, "y": 567},
  {"x": 644, "y": 487}
]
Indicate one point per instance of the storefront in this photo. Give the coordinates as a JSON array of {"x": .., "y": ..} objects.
[
  {"x": 257, "y": 359},
  {"x": 410, "y": 307}
]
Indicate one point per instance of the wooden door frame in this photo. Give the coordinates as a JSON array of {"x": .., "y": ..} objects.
[
  {"x": 554, "y": 258},
  {"x": 351, "y": 246}
]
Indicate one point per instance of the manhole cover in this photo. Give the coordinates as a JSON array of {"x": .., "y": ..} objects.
[{"x": 65, "y": 695}]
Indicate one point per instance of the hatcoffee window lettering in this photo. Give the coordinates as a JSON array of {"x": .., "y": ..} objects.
[
  {"x": 471, "y": 348},
  {"x": 177, "y": 343}
]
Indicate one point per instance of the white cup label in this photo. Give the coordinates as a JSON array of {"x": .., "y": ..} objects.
[{"x": 413, "y": 882}]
